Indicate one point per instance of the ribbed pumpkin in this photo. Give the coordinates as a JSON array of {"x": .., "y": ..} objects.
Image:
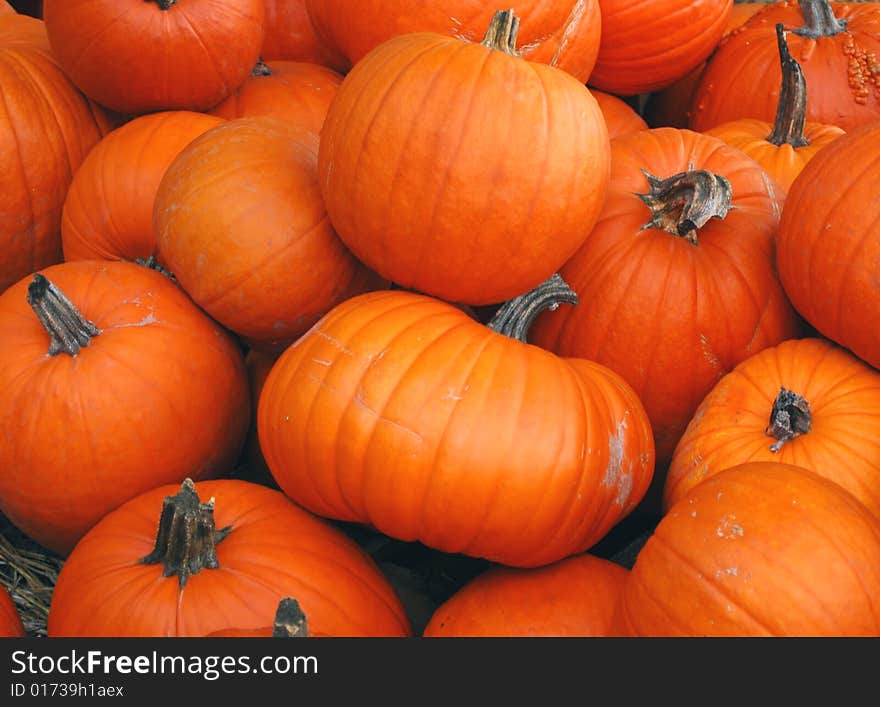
[
  {"x": 783, "y": 147},
  {"x": 677, "y": 281},
  {"x": 113, "y": 383},
  {"x": 462, "y": 170},
  {"x": 561, "y": 34},
  {"x": 760, "y": 549},
  {"x": 224, "y": 554},
  {"x": 400, "y": 411},
  {"x": 573, "y": 597},
  {"x": 108, "y": 212},
  {"x": 828, "y": 250},
  {"x": 240, "y": 222},
  {"x": 620, "y": 118},
  {"x": 289, "y": 36},
  {"x": 646, "y": 46},
  {"x": 46, "y": 129},
  {"x": 836, "y": 44},
  {"x": 298, "y": 92},
  {"x": 10, "y": 619},
  {"x": 138, "y": 56}
]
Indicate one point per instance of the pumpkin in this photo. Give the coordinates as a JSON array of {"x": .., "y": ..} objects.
[
  {"x": 677, "y": 282},
  {"x": 561, "y": 34},
  {"x": 290, "y": 622},
  {"x": 834, "y": 42},
  {"x": 139, "y": 56},
  {"x": 646, "y": 46},
  {"x": 298, "y": 92},
  {"x": 113, "y": 383},
  {"x": 108, "y": 211},
  {"x": 828, "y": 252},
  {"x": 289, "y": 36},
  {"x": 218, "y": 564},
  {"x": 760, "y": 549},
  {"x": 400, "y": 411},
  {"x": 805, "y": 402},
  {"x": 254, "y": 468},
  {"x": 239, "y": 220},
  {"x": 46, "y": 129},
  {"x": 620, "y": 118},
  {"x": 573, "y": 597},
  {"x": 461, "y": 170},
  {"x": 10, "y": 620}
]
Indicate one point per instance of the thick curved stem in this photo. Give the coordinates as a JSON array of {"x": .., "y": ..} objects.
[
  {"x": 791, "y": 111},
  {"x": 186, "y": 540},
  {"x": 789, "y": 418},
  {"x": 68, "y": 330},
  {"x": 290, "y": 621},
  {"x": 502, "y": 31},
  {"x": 819, "y": 20},
  {"x": 684, "y": 202},
  {"x": 514, "y": 318}
]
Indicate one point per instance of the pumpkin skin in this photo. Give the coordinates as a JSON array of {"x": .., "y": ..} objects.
[
  {"x": 573, "y": 597},
  {"x": 46, "y": 129},
  {"x": 760, "y": 549},
  {"x": 670, "y": 317},
  {"x": 274, "y": 549},
  {"x": 445, "y": 206},
  {"x": 827, "y": 249},
  {"x": 10, "y": 619},
  {"x": 255, "y": 469},
  {"x": 400, "y": 411},
  {"x": 562, "y": 34},
  {"x": 620, "y": 119},
  {"x": 108, "y": 212},
  {"x": 135, "y": 57},
  {"x": 289, "y": 36},
  {"x": 730, "y": 426},
  {"x": 742, "y": 79},
  {"x": 295, "y": 91},
  {"x": 239, "y": 218},
  {"x": 648, "y": 46},
  {"x": 160, "y": 394}
]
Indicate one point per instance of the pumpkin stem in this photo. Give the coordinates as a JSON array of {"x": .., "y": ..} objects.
[
  {"x": 819, "y": 20},
  {"x": 261, "y": 68},
  {"x": 164, "y": 4},
  {"x": 515, "y": 317},
  {"x": 789, "y": 418},
  {"x": 502, "y": 31},
  {"x": 684, "y": 202},
  {"x": 153, "y": 264},
  {"x": 68, "y": 330},
  {"x": 290, "y": 621},
  {"x": 186, "y": 540},
  {"x": 791, "y": 111}
]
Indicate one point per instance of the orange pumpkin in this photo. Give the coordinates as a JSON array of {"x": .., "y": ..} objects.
[
  {"x": 217, "y": 565},
  {"x": 290, "y": 36},
  {"x": 620, "y": 119}
]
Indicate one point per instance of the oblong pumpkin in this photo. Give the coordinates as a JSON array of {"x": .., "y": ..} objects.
[
  {"x": 10, "y": 620},
  {"x": 158, "y": 393},
  {"x": 400, "y": 411},
  {"x": 108, "y": 211},
  {"x": 760, "y": 549},
  {"x": 253, "y": 547},
  {"x": 576, "y": 596},
  {"x": 462, "y": 170},
  {"x": 239, "y": 220}
]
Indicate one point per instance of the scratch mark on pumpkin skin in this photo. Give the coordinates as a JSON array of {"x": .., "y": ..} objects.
[
  {"x": 146, "y": 321},
  {"x": 336, "y": 342},
  {"x": 360, "y": 401},
  {"x": 615, "y": 473},
  {"x": 322, "y": 362},
  {"x": 710, "y": 356}
]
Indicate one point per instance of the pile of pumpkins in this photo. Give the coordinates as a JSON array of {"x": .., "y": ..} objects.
[{"x": 422, "y": 267}]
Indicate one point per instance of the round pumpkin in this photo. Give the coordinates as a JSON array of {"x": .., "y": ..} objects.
[
  {"x": 240, "y": 222},
  {"x": 561, "y": 34},
  {"x": 828, "y": 252},
  {"x": 760, "y": 549},
  {"x": 47, "y": 127},
  {"x": 225, "y": 553},
  {"x": 108, "y": 211},
  {"x": 289, "y": 36},
  {"x": 461, "y": 170},
  {"x": 113, "y": 382},
  {"x": 836, "y": 44},
  {"x": 646, "y": 46},
  {"x": 783, "y": 147},
  {"x": 139, "y": 56},
  {"x": 677, "y": 281},
  {"x": 400, "y": 411},
  {"x": 298, "y": 92},
  {"x": 573, "y": 597},
  {"x": 10, "y": 619},
  {"x": 620, "y": 118},
  {"x": 805, "y": 402}
]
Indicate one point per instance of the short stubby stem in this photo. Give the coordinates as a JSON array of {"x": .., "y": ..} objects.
[
  {"x": 502, "y": 32},
  {"x": 819, "y": 20},
  {"x": 69, "y": 331},
  {"x": 290, "y": 621},
  {"x": 789, "y": 418}
]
